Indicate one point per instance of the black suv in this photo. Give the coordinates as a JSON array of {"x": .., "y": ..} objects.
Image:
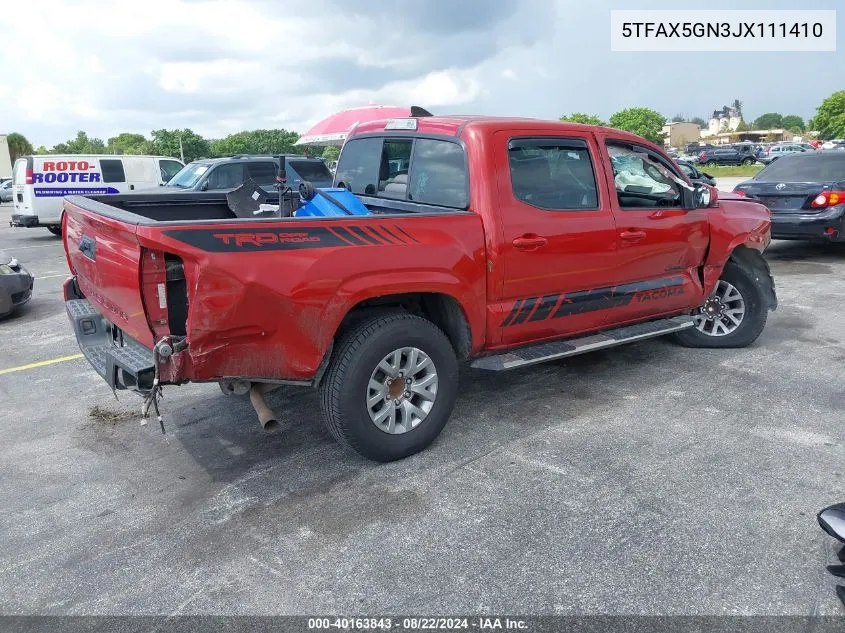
[
  {"x": 216, "y": 174},
  {"x": 731, "y": 155}
]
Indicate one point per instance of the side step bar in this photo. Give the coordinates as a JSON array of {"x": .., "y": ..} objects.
[{"x": 561, "y": 349}]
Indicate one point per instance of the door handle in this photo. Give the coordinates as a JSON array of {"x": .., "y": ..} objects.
[
  {"x": 530, "y": 242},
  {"x": 632, "y": 236}
]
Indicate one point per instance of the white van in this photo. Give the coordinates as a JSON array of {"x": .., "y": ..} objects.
[{"x": 41, "y": 182}]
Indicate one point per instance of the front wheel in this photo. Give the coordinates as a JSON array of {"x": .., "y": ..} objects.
[
  {"x": 390, "y": 387},
  {"x": 733, "y": 315}
]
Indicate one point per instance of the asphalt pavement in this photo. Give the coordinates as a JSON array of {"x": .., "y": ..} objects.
[{"x": 647, "y": 479}]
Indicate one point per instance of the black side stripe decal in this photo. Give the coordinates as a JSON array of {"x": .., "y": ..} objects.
[
  {"x": 589, "y": 300},
  {"x": 546, "y": 304},
  {"x": 525, "y": 311},
  {"x": 514, "y": 309},
  {"x": 391, "y": 234},
  {"x": 226, "y": 239},
  {"x": 357, "y": 231},
  {"x": 410, "y": 237}
]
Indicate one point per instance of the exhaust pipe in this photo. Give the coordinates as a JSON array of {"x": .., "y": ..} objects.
[{"x": 266, "y": 417}]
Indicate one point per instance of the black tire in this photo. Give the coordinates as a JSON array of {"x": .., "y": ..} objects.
[
  {"x": 752, "y": 289},
  {"x": 344, "y": 387},
  {"x": 747, "y": 161},
  {"x": 55, "y": 230}
]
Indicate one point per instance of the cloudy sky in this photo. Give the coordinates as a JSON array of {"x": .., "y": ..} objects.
[{"x": 222, "y": 66}]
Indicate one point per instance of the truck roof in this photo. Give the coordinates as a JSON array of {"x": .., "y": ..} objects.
[{"x": 454, "y": 125}]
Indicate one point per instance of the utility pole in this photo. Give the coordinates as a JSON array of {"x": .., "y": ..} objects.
[{"x": 181, "y": 151}]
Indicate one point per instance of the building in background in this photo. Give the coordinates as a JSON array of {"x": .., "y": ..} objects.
[
  {"x": 5, "y": 159},
  {"x": 681, "y": 133},
  {"x": 725, "y": 120}
]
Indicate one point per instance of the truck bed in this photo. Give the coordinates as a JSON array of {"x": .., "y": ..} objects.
[{"x": 155, "y": 207}]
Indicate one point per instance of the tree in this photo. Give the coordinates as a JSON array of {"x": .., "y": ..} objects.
[
  {"x": 768, "y": 121},
  {"x": 678, "y": 118},
  {"x": 793, "y": 123},
  {"x": 256, "y": 142},
  {"x": 698, "y": 121},
  {"x": 830, "y": 116},
  {"x": 743, "y": 126},
  {"x": 127, "y": 143},
  {"x": 82, "y": 144},
  {"x": 42, "y": 150},
  {"x": 580, "y": 117},
  {"x": 18, "y": 146},
  {"x": 331, "y": 152},
  {"x": 641, "y": 121},
  {"x": 166, "y": 143}
]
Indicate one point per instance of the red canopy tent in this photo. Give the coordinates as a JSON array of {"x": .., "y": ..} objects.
[{"x": 333, "y": 130}]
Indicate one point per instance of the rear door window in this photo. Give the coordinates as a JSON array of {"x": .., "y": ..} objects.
[
  {"x": 438, "y": 174},
  {"x": 112, "y": 170},
  {"x": 310, "y": 170},
  {"x": 554, "y": 174},
  {"x": 263, "y": 172}
]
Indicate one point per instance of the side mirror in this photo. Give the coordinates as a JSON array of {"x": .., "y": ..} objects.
[
  {"x": 704, "y": 195},
  {"x": 204, "y": 186}
]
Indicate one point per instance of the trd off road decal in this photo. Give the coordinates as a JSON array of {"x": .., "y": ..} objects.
[
  {"x": 275, "y": 239},
  {"x": 561, "y": 305}
]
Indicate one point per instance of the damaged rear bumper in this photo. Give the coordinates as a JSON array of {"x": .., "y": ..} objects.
[{"x": 122, "y": 362}]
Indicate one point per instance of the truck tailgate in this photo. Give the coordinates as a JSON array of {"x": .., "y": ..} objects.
[{"x": 104, "y": 255}]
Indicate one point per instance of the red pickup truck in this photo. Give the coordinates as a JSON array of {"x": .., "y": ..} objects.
[{"x": 493, "y": 241}]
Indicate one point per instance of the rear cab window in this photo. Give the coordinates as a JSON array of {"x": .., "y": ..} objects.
[{"x": 419, "y": 169}]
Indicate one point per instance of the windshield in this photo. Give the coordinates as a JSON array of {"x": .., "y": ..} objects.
[
  {"x": 311, "y": 170},
  {"x": 804, "y": 168},
  {"x": 188, "y": 176}
]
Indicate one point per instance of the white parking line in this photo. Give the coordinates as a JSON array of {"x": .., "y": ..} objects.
[
  {"x": 20, "y": 248},
  {"x": 52, "y": 276}
]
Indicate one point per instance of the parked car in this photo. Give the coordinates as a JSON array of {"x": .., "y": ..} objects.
[
  {"x": 224, "y": 174},
  {"x": 727, "y": 156},
  {"x": 16, "y": 284},
  {"x": 694, "y": 174},
  {"x": 833, "y": 143},
  {"x": 805, "y": 193},
  {"x": 41, "y": 182},
  {"x": 6, "y": 191},
  {"x": 573, "y": 247},
  {"x": 773, "y": 152}
]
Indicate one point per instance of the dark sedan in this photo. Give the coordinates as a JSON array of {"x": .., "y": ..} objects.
[
  {"x": 805, "y": 194},
  {"x": 694, "y": 174},
  {"x": 15, "y": 284}
]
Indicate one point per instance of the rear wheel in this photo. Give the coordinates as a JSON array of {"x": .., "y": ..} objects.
[
  {"x": 733, "y": 315},
  {"x": 390, "y": 387},
  {"x": 747, "y": 161},
  {"x": 55, "y": 230}
]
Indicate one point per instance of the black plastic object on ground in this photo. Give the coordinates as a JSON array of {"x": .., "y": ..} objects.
[{"x": 246, "y": 202}]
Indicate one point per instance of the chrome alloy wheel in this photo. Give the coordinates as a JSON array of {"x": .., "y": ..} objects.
[
  {"x": 722, "y": 312},
  {"x": 402, "y": 390}
]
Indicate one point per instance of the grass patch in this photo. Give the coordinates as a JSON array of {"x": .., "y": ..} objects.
[
  {"x": 107, "y": 416},
  {"x": 731, "y": 170}
]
